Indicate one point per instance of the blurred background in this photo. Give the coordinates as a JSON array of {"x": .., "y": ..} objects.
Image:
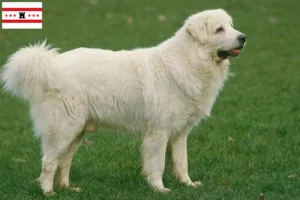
[{"x": 248, "y": 147}]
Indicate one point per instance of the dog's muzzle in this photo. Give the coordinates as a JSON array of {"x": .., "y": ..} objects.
[{"x": 233, "y": 52}]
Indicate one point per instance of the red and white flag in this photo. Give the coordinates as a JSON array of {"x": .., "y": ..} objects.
[{"x": 22, "y": 15}]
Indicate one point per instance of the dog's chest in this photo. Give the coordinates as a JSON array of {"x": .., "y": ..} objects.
[{"x": 198, "y": 101}]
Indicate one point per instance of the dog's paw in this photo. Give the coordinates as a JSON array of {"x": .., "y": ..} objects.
[
  {"x": 164, "y": 190},
  {"x": 50, "y": 193},
  {"x": 75, "y": 189},
  {"x": 194, "y": 184}
]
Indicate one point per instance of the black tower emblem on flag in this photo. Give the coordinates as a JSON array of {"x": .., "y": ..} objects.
[{"x": 22, "y": 15}]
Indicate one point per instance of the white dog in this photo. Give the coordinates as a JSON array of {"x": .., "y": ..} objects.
[{"x": 159, "y": 93}]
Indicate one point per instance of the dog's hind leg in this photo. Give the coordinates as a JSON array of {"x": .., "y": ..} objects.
[
  {"x": 63, "y": 171},
  {"x": 154, "y": 152},
  {"x": 54, "y": 148},
  {"x": 59, "y": 126}
]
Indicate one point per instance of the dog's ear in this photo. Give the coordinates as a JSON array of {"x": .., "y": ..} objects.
[{"x": 197, "y": 28}]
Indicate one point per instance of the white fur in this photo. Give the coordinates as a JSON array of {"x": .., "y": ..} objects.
[{"x": 159, "y": 93}]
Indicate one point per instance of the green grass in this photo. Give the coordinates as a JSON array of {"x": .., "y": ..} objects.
[{"x": 258, "y": 108}]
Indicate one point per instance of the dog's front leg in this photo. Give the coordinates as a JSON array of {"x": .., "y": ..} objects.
[
  {"x": 154, "y": 152},
  {"x": 180, "y": 161}
]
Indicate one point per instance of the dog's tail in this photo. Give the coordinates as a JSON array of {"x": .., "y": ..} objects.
[{"x": 30, "y": 71}]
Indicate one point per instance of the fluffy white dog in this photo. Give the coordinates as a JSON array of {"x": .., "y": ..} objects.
[{"x": 159, "y": 93}]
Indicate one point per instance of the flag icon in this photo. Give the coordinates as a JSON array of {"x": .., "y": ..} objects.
[{"x": 22, "y": 15}]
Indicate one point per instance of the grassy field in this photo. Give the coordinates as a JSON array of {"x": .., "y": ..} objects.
[{"x": 249, "y": 146}]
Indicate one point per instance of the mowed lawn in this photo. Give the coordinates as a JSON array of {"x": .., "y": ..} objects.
[{"x": 249, "y": 146}]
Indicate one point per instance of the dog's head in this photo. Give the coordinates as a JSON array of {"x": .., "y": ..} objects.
[{"x": 213, "y": 29}]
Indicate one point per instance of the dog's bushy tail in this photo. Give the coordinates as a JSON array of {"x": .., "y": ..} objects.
[{"x": 30, "y": 71}]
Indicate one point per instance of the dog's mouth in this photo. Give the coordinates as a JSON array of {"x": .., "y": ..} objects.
[{"x": 231, "y": 53}]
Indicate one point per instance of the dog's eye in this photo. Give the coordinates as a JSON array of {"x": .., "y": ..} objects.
[
  {"x": 220, "y": 29},
  {"x": 231, "y": 25}
]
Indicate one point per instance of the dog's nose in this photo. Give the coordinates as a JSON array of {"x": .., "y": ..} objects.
[{"x": 242, "y": 38}]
